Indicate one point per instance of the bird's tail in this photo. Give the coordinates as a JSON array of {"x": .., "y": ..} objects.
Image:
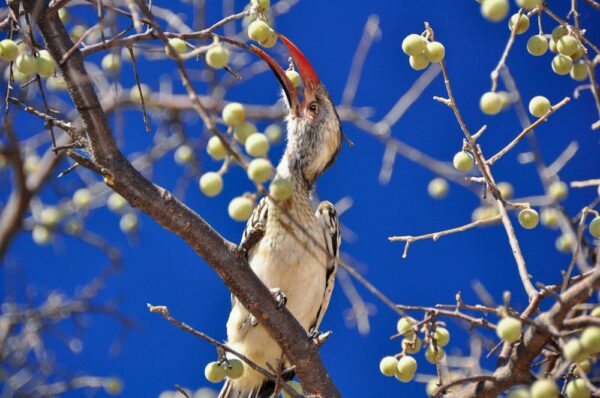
[{"x": 231, "y": 389}]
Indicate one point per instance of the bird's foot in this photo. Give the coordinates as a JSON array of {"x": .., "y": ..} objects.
[
  {"x": 279, "y": 297},
  {"x": 319, "y": 337}
]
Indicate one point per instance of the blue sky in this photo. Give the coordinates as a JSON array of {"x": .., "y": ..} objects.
[{"x": 160, "y": 269}]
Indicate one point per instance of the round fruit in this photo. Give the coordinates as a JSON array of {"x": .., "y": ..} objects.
[
  {"x": 567, "y": 45},
  {"x": 45, "y": 63},
  {"x": 41, "y": 235},
  {"x": 184, "y": 154},
  {"x": 257, "y": 145},
  {"x": 211, "y": 184},
  {"x": 262, "y": 5},
  {"x": 490, "y": 103},
  {"x": 128, "y": 222},
  {"x": 544, "y": 388},
  {"x": 56, "y": 83},
  {"x": 577, "y": 54},
  {"x": 215, "y": 148},
  {"x": 64, "y": 16},
  {"x": 9, "y": 51},
  {"x": 243, "y": 131},
  {"x": 217, "y": 57},
  {"x": 573, "y": 351},
  {"x": 234, "y": 369},
  {"x": 214, "y": 372},
  {"x": 258, "y": 30},
  {"x": 113, "y": 386},
  {"x": 561, "y": 64},
  {"x": 509, "y": 329},
  {"x": 521, "y": 21},
  {"x": 539, "y": 105},
  {"x": 435, "y": 52},
  {"x": 234, "y": 114},
  {"x": 506, "y": 190},
  {"x": 519, "y": 393},
  {"x": 418, "y": 62},
  {"x": 558, "y": 32},
  {"x": 595, "y": 227},
  {"x": 414, "y": 44},
  {"x": 411, "y": 347},
  {"x": 407, "y": 366},
  {"x": 273, "y": 133},
  {"x": 528, "y": 218},
  {"x": 596, "y": 311},
  {"x": 590, "y": 339},
  {"x": 116, "y": 202},
  {"x": 495, "y": 10},
  {"x": 584, "y": 367},
  {"x": 576, "y": 388},
  {"x": 529, "y": 4},
  {"x": 549, "y": 218},
  {"x": 82, "y": 198},
  {"x": 294, "y": 77},
  {"x": 434, "y": 357},
  {"x": 281, "y": 189},
  {"x": 134, "y": 93},
  {"x": 111, "y": 64},
  {"x": 431, "y": 386},
  {"x": 178, "y": 45},
  {"x": 388, "y": 366},
  {"x": 240, "y": 208},
  {"x": 26, "y": 64},
  {"x": 463, "y": 161},
  {"x": 564, "y": 243},
  {"x": 579, "y": 72},
  {"x": 505, "y": 99},
  {"x": 271, "y": 39},
  {"x": 558, "y": 190},
  {"x": 259, "y": 170},
  {"x": 537, "y": 45},
  {"x": 405, "y": 327},
  {"x": 484, "y": 213},
  {"x": 295, "y": 386},
  {"x": 51, "y": 215},
  {"x": 442, "y": 337},
  {"x": 438, "y": 188},
  {"x": 77, "y": 32}
]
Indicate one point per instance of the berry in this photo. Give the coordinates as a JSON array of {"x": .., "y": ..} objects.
[
  {"x": 26, "y": 64},
  {"x": 258, "y": 30},
  {"x": 116, "y": 202},
  {"x": 134, "y": 93},
  {"x": 56, "y": 83},
  {"x": 217, "y": 57},
  {"x": 214, "y": 372},
  {"x": 432, "y": 356},
  {"x": 539, "y": 105},
  {"x": 544, "y": 388},
  {"x": 506, "y": 190},
  {"x": 596, "y": 311},
  {"x": 561, "y": 64},
  {"x": 271, "y": 39},
  {"x": 178, "y": 45},
  {"x": 490, "y": 103},
  {"x": 519, "y": 393},
  {"x": 505, "y": 99},
  {"x": 215, "y": 148},
  {"x": 111, "y": 64},
  {"x": 129, "y": 222},
  {"x": 414, "y": 44},
  {"x": 594, "y": 227},
  {"x": 558, "y": 190},
  {"x": 184, "y": 155},
  {"x": 438, "y": 188},
  {"x": 281, "y": 189},
  {"x": 463, "y": 161},
  {"x": 567, "y": 45},
  {"x": 584, "y": 367},
  {"x": 529, "y": 4},
  {"x": 509, "y": 329},
  {"x": 579, "y": 72},
  {"x": 404, "y": 327},
  {"x": 273, "y": 133},
  {"x": 521, "y": 21},
  {"x": 573, "y": 351},
  {"x": 295, "y": 386},
  {"x": 564, "y": 243},
  {"x": 240, "y": 208},
  {"x": 211, "y": 184},
  {"x": 550, "y": 218},
  {"x": 294, "y": 77},
  {"x": 9, "y": 51},
  {"x": 64, "y": 16},
  {"x": 234, "y": 114},
  {"x": 45, "y": 63},
  {"x": 234, "y": 369},
  {"x": 407, "y": 366},
  {"x": 259, "y": 170},
  {"x": 82, "y": 198},
  {"x": 435, "y": 52},
  {"x": 494, "y": 10},
  {"x": 590, "y": 339},
  {"x": 243, "y": 131},
  {"x": 77, "y": 32},
  {"x": 112, "y": 386},
  {"x": 418, "y": 62},
  {"x": 528, "y": 218},
  {"x": 257, "y": 145},
  {"x": 410, "y": 346},
  {"x": 576, "y": 388},
  {"x": 388, "y": 366},
  {"x": 50, "y": 216},
  {"x": 442, "y": 337},
  {"x": 41, "y": 235},
  {"x": 537, "y": 45},
  {"x": 484, "y": 213},
  {"x": 558, "y": 32},
  {"x": 262, "y": 5}
]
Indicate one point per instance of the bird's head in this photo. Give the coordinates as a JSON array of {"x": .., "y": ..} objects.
[{"x": 314, "y": 131}]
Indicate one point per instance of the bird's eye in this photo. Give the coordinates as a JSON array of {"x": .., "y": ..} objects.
[{"x": 314, "y": 108}]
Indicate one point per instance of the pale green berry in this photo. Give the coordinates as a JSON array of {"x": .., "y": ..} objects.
[
  {"x": 561, "y": 64},
  {"x": 505, "y": 99},
  {"x": 116, "y": 202},
  {"x": 215, "y": 148},
  {"x": 573, "y": 351},
  {"x": 549, "y": 218},
  {"x": 442, "y": 336},
  {"x": 431, "y": 386},
  {"x": 414, "y": 44},
  {"x": 577, "y": 54},
  {"x": 295, "y": 386},
  {"x": 519, "y": 393},
  {"x": 9, "y": 51},
  {"x": 564, "y": 243},
  {"x": 111, "y": 63},
  {"x": 537, "y": 45},
  {"x": 405, "y": 327},
  {"x": 294, "y": 77},
  {"x": 64, "y": 16},
  {"x": 234, "y": 368},
  {"x": 45, "y": 63},
  {"x": 56, "y": 83},
  {"x": 520, "y": 21},
  {"x": 590, "y": 339},
  {"x": 234, "y": 114},
  {"x": 506, "y": 190},
  {"x": 407, "y": 366},
  {"x": 432, "y": 356},
  {"x": 273, "y": 133},
  {"x": 594, "y": 227},
  {"x": 528, "y": 218},
  {"x": 438, "y": 188},
  {"x": 596, "y": 311},
  {"x": 259, "y": 170},
  {"x": 577, "y": 388},
  {"x": 412, "y": 345},
  {"x": 82, "y": 198},
  {"x": 31, "y": 164},
  {"x": 262, "y": 5},
  {"x": 24, "y": 48},
  {"x": 544, "y": 388},
  {"x": 579, "y": 72},
  {"x": 558, "y": 190},
  {"x": 240, "y": 208},
  {"x": 281, "y": 189},
  {"x": 77, "y": 32},
  {"x": 539, "y": 105},
  {"x": 584, "y": 367},
  {"x": 41, "y": 235},
  {"x": 129, "y": 223},
  {"x": 134, "y": 93},
  {"x": 418, "y": 62},
  {"x": 483, "y": 213},
  {"x": 558, "y": 32},
  {"x": 184, "y": 155},
  {"x": 388, "y": 366},
  {"x": 50, "y": 216},
  {"x": 567, "y": 45},
  {"x": 26, "y": 64},
  {"x": 271, "y": 40},
  {"x": 178, "y": 45},
  {"x": 217, "y": 57},
  {"x": 495, "y": 10},
  {"x": 243, "y": 131},
  {"x": 529, "y": 4},
  {"x": 257, "y": 145},
  {"x": 211, "y": 184},
  {"x": 463, "y": 161},
  {"x": 214, "y": 372},
  {"x": 552, "y": 46},
  {"x": 435, "y": 52},
  {"x": 258, "y": 30},
  {"x": 490, "y": 103},
  {"x": 509, "y": 329},
  {"x": 112, "y": 386}
]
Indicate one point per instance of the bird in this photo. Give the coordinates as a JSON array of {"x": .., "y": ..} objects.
[{"x": 297, "y": 254}]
